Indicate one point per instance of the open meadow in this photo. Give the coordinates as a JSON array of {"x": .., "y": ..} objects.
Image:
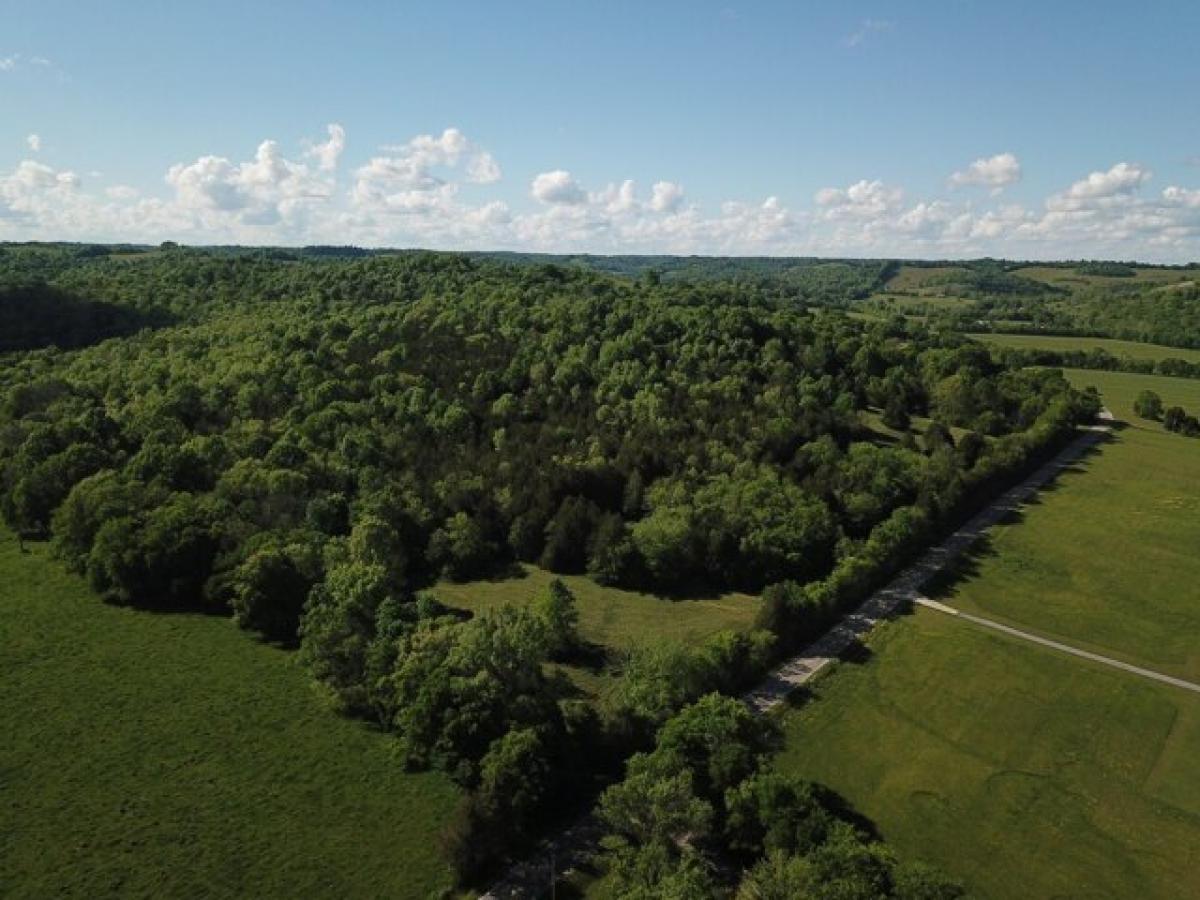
[
  {"x": 611, "y": 620},
  {"x": 1069, "y": 277},
  {"x": 172, "y": 756},
  {"x": 1107, "y": 560},
  {"x": 610, "y": 617},
  {"x": 1022, "y": 771},
  {"x": 919, "y": 279}
]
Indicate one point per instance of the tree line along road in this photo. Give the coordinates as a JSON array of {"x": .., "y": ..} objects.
[{"x": 573, "y": 846}]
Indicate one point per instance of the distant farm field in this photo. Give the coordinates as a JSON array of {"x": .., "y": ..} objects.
[
  {"x": 919, "y": 307},
  {"x": 1067, "y": 276},
  {"x": 1132, "y": 349},
  {"x": 150, "y": 755},
  {"x": 916, "y": 278},
  {"x": 1025, "y": 773},
  {"x": 1120, "y": 389}
]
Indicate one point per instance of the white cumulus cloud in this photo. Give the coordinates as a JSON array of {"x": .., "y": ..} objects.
[
  {"x": 268, "y": 190},
  {"x": 666, "y": 196},
  {"x": 1123, "y": 178},
  {"x": 419, "y": 177},
  {"x": 35, "y": 142},
  {"x": 431, "y": 191},
  {"x": 329, "y": 152},
  {"x": 1181, "y": 196},
  {"x": 995, "y": 172},
  {"x": 861, "y": 200},
  {"x": 557, "y": 187}
]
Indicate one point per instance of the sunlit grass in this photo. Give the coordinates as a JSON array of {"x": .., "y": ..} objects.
[
  {"x": 149, "y": 755},
  {"x": 1023, "y": 772}
]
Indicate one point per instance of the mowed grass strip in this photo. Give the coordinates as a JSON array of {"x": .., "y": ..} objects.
[
  {"x": 150, "y": 755},
  {"x": 1023, "y": 772},
  {"x": 612, "y": 618},
  {"x": 1131, "y": 349},
  {"x": 1109, "y": 558}
]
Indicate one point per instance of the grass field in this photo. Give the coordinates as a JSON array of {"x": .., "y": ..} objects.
[
  {"x": 916, "y": 278},
  {"x": 915, "y": 308},
  {"x": 1132, "y": 349},
  {"x": 1109, "y": 559},
  {"x": 1025, "y": 773},
  {"x": 611, "y": 617},
  {"x": 146, "y": 755},
  {"x": 1068, "y": 277},
  {"x": 1120, "y": 389}
]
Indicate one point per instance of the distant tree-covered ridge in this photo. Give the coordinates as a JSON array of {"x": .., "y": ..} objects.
[{"x": 1092, "y": 299}]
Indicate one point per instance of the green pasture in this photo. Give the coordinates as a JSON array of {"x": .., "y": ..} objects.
[
  {"x": 153, "y": 755},
  {"x": 917, "y": 278},
  {"x": 1107, "y": 559},
  {"x": 610, "y": 619},
  {"x": 1066, "y": 276},
  {"x": 1023, "y": 772}
]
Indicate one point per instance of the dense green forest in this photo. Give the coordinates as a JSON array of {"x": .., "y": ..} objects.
[{"x": 308, "y": 440}]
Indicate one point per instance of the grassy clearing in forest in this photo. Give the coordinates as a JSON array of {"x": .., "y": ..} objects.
[
  {"x": 157, "y": 755},
  {"x": 917, "y": 278},
  {"x": 611, "y": 617}
]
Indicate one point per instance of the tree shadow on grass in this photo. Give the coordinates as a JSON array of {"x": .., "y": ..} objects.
[
  {"x": 191, "y": 606},
  {"x": 844, "y": 810},
  {"x": 687, "y": 593},
  {"x": 945, "y": 583},
  {"x": 588, "y": 655},
  {"x": 857, "y": 653},
  {"x": 512, "y": 570}
]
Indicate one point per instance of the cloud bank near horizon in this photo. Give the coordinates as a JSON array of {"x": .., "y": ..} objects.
[{"x": 431, "y": 191}]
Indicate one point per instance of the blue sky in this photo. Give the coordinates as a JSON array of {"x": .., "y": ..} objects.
[{"x": 831, "y": 128}]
